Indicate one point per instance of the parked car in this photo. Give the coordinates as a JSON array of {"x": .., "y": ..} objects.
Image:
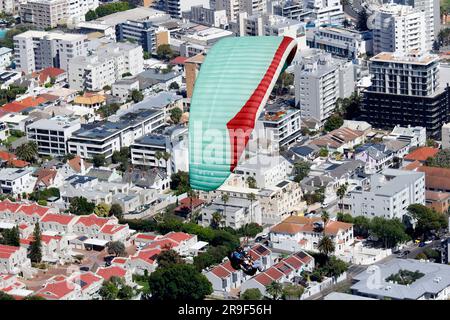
[{"x": 84, "y": 268}]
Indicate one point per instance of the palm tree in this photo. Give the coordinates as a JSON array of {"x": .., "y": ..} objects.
[
  {"x": 27, "y": 151},
  {"x": 326, "y": 246},
  {"x": 191, "y": 194},
  {"x": 225, "y": 198},
  {"x": 158, "y": 156},
  {"x": 216, "y": 220},
  {"x": 340, "y": 192},
  {"x": 325, "y": 218},
  {"x": 275, "y": 290}
]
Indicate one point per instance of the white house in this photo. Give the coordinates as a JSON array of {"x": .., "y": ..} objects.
[{"x": 13, "y": 259}]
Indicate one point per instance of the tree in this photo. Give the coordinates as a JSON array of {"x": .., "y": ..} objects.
[
  {"x": 440, "y": 159},
  {"x": 34, "y": 297},
  {"x": 116, "y": 248},
  {"x": 390, "y": 231},
  {"x": 179, "y": 182},
  {"x": 361, "y": 23},
  {"x": 275, "y": 290},
  {"x": 179, "y": 282},
  {"x": 216, "y": 219},
  {"x": 251, "y": 294},
  {"x": 325, "y": 216},
  {"x": 126, "y": 74},
  {"x": 98, "y": 160},
  {"x": 168, "y": 258},
  {"x": 164, "y": 52},
  {"x": 361, "y": 226},
  {"x": 428, "y": 220},
  {"x": 147, "y": 55},
  {"x": 115, "y": 288},
  {"x": 250, "y": 230},
  {"x": 175, "y": 115},
  {"x": 251, "y": 182},
  {"x": 301, "y": 169},
  {"x": 326, "y": 245},
  {"x": 35, "y": 253},
  {"x": 136, "y": 96},
  {"x": 292, "y": 291},
  {"x": 284, "y": 81},
  {"x": 91, "y": 15},
  {"x": 334, "y": 122},
  {"x": 11, "y": 237},
  {"x": 27, "y": 151},
  {"x": 102, "y": 210},
  {"x": 116, "y": 211},
  {"x": 81, "y": 206},
  {"x": 4, "y": 296},
  {"x": 341, "y": 192},
  {"x": 323, "y": 152},
  {"x": 174, "y": 86}
]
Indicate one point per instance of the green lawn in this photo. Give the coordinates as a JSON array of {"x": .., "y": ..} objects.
[{"x": 11, "y": 139}]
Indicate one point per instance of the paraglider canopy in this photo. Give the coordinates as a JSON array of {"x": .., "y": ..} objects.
[{"x": 234, "y": 83}]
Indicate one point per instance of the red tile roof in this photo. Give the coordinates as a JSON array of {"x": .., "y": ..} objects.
[
  {"x": 147, "y": 255},
  {"x": 32, "y": 101},
  {"x": 274, "y": 273},
  {"x": 163, "y": 244},
  {"x": 56, "y": 290},
  {"x": 178, "y": 60},
  {"x": 91, "y": 220},
  {"x": 221, "y": 272},
  {"x": 294, "y": 262},
  {"x": 145, "y": 236},
  {"x": 48, "y": 73},
  {"x": 7, "y": 205},
  {"x": 14, "y": 107},
  {"x": 7, "y": 251},
  {"x": 34, "y": 208},
  {"x": 46, "y": 176},
  {"x": 112, "y": 228},
  {"x": 112, "y": 271},
  {"x": 178, "y": 236},
  {"x": 86, "y": 279},
  {"x": 421, "y": 154},
  {"x": 264, "y": 279},
  {"x": 62, "y": 219}
]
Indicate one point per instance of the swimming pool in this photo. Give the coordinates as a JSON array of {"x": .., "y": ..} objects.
[{"x": 3, "y": 33}]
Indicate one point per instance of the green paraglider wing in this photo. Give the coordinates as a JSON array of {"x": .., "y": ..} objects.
[{"x": 232, "y": 87}]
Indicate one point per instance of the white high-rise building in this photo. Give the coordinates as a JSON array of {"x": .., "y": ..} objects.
[
  {"x": 399, "y": 28},
  {"x": 234, "y": 7},
  {"x": 105, "y": 65},
  {"x": 176, "y": 7},
  {"x": 325, "y": 11},
  {"x": 319, "y": 81},
  {"x": 8, "y": 6},
  {"x": 77, "y": 9},
  {"x": 36, "y": 50}
]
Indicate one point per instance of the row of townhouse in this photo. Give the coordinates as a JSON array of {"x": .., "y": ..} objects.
[
  {"x": 225, "y": 279},
  {"x": 81, "y": 286},
  {"x": 149, "y": 246},
  {"x": 14, "y": 260}
]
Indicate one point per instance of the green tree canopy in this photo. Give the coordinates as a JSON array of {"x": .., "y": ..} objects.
[
  {"x": 116, "y": 211},
  {"x": 11, "y": 237},
  {"x": 98, "y": 160},
  {"x": 179, "y": 182},
  {"x": 334, "y": 122},
  {"x": 136, "y": 96},
  {"x": 164, "y": 52},
  {"x": 251, "y": 294},
  {"x": 179, "y": 282},
  {"x": 391, "y": 232},
  {"x": 301, "y": 169},
  {"x": 428, "y": 220},
  {"x": 81, "y": 206},
  {"x": 175, "y": 115},
  {"x": 168, "y": 258},
  {"x": 116, "y": 248},
  {"x": 35, "y": 253}
]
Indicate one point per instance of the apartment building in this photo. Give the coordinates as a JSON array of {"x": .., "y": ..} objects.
[
  {"x": 37, "y": 50},
  {"x": 281, "y": 123},
  {"x": 431, "y": 9},
  {"x": 406, "y": 90},
  {"x": 414, "y": 136},
  {"x": 399, "y": 28},
  {"x": 9, "y": 6},
  {"x": 346, "y": 43},
  {"x": 107, "y": 137},
  {"x": 268, "y": 25},
  {"x": 51, "y": 135},
  {"x": 292, "y": 9},
  {"x": 107, "y": 63},
  {"x": 235, "y": 213},
  {"x": 266, "y": 170},
  {"x": 325, "y": 11},
  {"x": 319, "y": 81},
  {"x": 176, "y": 7},
  {"x": 16, "y": 181},
  {"x": 209, "y": 17},
  {"x": 172, "y": 141},
  {"x": 388, "y": 194},
  {"x": 44, "y": 13}
]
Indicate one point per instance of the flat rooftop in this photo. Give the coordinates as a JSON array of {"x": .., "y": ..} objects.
[{"x": 412, "y": 58}]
